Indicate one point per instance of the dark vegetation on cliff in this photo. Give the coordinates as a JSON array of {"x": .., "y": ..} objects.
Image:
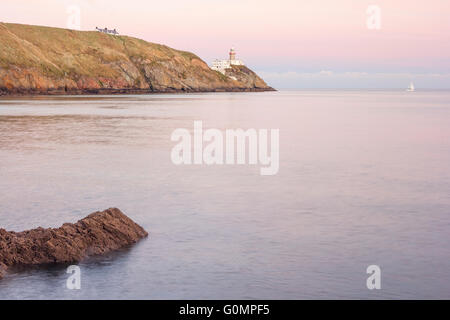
[
  {"x": 44, "y": 60},
  {"x": 98, "y": 233}
]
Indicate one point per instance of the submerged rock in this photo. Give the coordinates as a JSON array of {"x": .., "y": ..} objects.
[{"x": 98, "y": 233}]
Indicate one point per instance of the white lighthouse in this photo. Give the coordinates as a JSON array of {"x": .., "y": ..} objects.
[
  {"x": 232, "y": 54},
  {"x": 221, "y": 65}
]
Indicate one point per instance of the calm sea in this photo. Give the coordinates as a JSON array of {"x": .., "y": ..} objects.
[{"x": 364, "y": 179}]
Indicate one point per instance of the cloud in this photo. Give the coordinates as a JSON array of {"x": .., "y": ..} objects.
[
  {"x": 326, "y": 73},
  {"x": 330, "y": 79}
]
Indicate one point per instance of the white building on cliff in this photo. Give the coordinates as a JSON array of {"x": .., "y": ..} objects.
[
  {"x": 107, "y": 31},
  {"x": 221, "y": 65}
]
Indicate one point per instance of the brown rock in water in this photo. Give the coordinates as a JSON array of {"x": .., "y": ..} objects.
[
  {"x": 98, "y": 233},
  {"x": 2, "y": 270}
]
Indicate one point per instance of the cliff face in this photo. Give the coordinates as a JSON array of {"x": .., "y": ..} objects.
[
  {"x": 98, "y": 233},
  {"x": 246, "y": 76},
  {"x": 43, "y": 60}
]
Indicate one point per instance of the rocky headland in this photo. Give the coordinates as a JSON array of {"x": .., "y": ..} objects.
[
  {"x": 45, "y": 60},
  {"x": 98, "y": 233}
]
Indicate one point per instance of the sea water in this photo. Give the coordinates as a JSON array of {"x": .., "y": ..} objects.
[{"x": 363, "y": 179}]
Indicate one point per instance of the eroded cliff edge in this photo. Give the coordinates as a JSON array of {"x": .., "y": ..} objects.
[
  {"x": 44, "y": 60},
  {"x": 98, "y": 233}
]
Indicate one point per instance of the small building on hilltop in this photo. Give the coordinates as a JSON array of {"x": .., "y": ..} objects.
[
  {"x": 108, "y": 31},
  {"x": 221, "y": 65}
]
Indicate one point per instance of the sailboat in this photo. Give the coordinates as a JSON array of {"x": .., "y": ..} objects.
[{"x": 411, "y": 87}]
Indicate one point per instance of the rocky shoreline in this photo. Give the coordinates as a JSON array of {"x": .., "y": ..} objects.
[
  {"x": 98, "y": 233},
  {"x": 56, "y": 92},
  {"x": 37, "y": 60}
]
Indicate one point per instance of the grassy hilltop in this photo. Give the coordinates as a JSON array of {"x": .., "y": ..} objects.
[{"x": 44, "y": 60}]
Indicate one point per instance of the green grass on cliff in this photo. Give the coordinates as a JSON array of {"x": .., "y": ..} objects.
[
  {"x": 58, "y": 52},
  {"x": 45, "y": 59}
]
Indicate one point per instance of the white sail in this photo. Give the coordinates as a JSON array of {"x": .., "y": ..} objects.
[{"x": 411, "y": 87}]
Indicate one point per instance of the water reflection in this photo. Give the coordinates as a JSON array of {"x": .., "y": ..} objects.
[{"x": 364, "y": 179}]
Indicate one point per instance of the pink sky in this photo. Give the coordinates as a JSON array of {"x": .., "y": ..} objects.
[{"x": 272, "y": 36}]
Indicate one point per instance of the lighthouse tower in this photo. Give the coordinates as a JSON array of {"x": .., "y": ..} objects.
[
  {"x": 232, "y": 54},
  {"x": 233, "y": 60},
  {"x": 222, "y": 65}
]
